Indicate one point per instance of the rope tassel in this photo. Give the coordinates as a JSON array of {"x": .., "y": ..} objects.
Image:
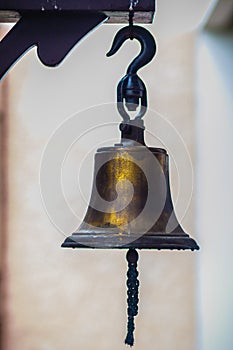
[{"x": 132, "y": 300}]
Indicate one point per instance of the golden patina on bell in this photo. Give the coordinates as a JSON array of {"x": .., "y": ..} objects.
[{"x": 131, "y": 205}]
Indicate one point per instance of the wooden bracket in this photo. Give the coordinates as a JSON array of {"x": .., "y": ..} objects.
[
  {"x": 116, "y": 11},
  {"x": 56, "y": 26}
]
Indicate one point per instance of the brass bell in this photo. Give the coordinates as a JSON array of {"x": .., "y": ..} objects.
[{"x": 131, "y": 205}]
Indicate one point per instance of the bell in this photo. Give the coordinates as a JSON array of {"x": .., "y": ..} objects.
[{"x": 131, "y": 205}]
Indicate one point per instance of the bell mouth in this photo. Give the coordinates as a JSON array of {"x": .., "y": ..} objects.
[
  {"x": 89, "y": 236},
  {"x": 117, "y": 241}
]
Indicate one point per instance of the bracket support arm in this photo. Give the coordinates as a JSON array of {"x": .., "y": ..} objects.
[{"x": 56, "y": 26}]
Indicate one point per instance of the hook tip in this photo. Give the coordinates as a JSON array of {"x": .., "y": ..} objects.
[{"x": 111, "y": 51}]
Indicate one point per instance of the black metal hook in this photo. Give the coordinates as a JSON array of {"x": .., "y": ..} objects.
[
  {"x": 148, "y": 46},
  {"x": 131, "y": 88}
]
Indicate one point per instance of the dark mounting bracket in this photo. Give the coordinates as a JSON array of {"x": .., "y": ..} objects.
[{"x": 56, "y": 26}]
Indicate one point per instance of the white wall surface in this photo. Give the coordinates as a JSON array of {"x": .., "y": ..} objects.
[{"x": 214, "y": 132}]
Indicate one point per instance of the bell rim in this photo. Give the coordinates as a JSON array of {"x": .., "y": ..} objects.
[{"x": 147, "y": 241}]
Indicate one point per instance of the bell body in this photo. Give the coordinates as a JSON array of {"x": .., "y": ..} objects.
[{"x": 131, "y": 205}]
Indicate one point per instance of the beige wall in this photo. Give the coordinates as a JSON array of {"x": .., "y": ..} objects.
[
  {"x": 69, "y": 299},
  {"x": 215, "y": 188},
  {"x": 3, "y": 200}
]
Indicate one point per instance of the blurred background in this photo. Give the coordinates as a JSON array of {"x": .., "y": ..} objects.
[{"x": 53, "y": 298}]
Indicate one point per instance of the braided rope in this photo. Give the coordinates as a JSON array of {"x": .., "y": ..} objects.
[{"x": 132, "y": 300}]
